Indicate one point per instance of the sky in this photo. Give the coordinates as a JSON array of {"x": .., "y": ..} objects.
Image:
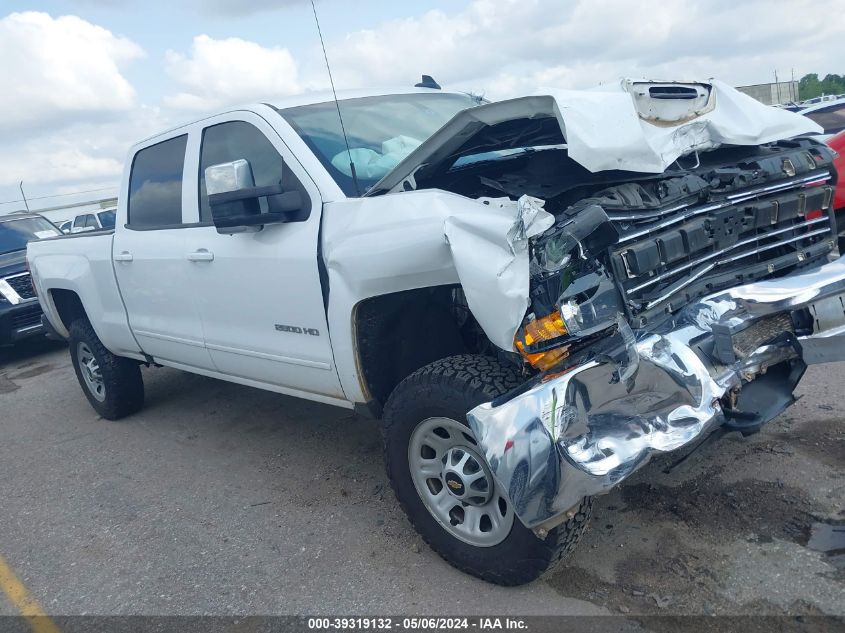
[{"x": 84, "y": 79}]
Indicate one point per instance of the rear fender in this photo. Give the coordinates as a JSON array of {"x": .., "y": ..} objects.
[{"x": 91, "y": 278}]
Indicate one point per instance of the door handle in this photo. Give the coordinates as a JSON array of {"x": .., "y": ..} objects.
[
  {"x": 125, "y": 256},
  {"x": 201, "y": 255}
]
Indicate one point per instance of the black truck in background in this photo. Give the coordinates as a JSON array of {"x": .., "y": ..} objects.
[{"x": 20, "y": 314}]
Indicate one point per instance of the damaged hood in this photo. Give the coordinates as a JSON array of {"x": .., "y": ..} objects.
[{"x": 640, "y": 126}]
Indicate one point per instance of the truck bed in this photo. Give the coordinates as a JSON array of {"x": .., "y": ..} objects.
[{"x": 82, "y": 263}]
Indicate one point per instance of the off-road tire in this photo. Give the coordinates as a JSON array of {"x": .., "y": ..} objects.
[
  {"x": 449, "y": 388},
  {"x": 124, "y": 385}
]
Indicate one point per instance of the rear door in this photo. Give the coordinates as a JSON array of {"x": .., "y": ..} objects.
[
  {"x": 259, "y": 293},
  {"x": 150, "y": 258}
]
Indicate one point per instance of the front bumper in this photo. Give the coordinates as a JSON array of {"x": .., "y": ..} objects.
[
  {"x": 731, "y": 359},
  {"x": 20, "y": 321}
]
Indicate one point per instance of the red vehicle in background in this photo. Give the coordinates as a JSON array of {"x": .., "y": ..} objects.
[{"x": 837, "y": 142}]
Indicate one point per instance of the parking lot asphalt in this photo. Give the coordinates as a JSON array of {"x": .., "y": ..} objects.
[{"x": 221, "y": 499}]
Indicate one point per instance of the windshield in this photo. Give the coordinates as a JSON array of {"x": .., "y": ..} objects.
[
  {"x": 15, "y": 234},
  {"x": 381, "y": 130}
]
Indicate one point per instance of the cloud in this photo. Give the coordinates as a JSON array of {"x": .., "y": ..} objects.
[
  {"x": 49, "y": 161},
  {"x": 507, "y": 47},
  {"x": 76, "y": 157},
  {"x": 61, "y": 70},
  {"x": 156, "y": 194},
  {"x": 68, "y": 113},
  {"x": 228, "y": 71},
  {"x": 239, "y": 7}
]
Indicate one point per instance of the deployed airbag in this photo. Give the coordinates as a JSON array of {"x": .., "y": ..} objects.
[{"x": 371, "y": 164}]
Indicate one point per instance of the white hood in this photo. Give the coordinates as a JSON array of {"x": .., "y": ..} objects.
[
  {"x": 640, "y": 126},
  {"x": 622, "y": 128}
]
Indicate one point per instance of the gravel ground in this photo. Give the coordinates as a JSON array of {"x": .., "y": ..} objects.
[{"x": 220, "y": 499}]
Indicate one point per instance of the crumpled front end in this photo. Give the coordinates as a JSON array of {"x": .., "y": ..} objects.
[{"x": 730, "y": 359}]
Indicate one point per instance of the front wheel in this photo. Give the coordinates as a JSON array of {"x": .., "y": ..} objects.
[
  {"x": 112, "y": 384},
  {"x": 444, "y": 484}
]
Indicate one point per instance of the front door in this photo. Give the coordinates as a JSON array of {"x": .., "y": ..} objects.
[{"x": 259, "y": 293}]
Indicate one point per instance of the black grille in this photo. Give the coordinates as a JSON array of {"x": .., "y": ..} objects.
[
  {"x": 22, "y": 284},
  {"x": 691, "y": 251},
  {"x": 23, "y": 321}
]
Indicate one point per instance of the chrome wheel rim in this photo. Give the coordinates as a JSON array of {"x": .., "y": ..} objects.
[
  {"x": 89, "y": 368},
  {"x": 455, "y": 484}
]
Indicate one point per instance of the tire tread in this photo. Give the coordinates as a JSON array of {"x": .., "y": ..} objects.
[{"x": 122, "y": 376}]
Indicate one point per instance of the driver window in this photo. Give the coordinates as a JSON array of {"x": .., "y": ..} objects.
[{"x": 236, "y": 140}]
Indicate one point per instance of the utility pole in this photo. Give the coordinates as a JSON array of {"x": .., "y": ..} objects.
[
  {"x": 777, "y": 88},
  {"x": 792, "y": 96},
  {"x": 24, "y": 196}
]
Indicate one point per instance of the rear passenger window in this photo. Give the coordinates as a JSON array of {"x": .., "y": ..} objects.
[{"x": 155, "y": 185}]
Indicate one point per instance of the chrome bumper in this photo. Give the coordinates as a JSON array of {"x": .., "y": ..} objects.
[{"x": 583, "y": 432}]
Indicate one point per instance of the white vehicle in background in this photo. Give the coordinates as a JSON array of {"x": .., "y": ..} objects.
[
  {"x": 536, "y": 295},
  {"x": 90, "y": 221}
]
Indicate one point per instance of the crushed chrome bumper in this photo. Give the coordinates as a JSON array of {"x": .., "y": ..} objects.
[{"x": 731, "y": 359}]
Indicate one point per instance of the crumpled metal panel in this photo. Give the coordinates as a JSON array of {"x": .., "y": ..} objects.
[
  {"x": 604, "y": 129},
  {"x": 584, "y": 431},
  {"x": 422, "y": 239},
  {"x": 490, "y": 254}
]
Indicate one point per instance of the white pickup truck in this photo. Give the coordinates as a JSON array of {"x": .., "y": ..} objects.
[{"x": 536, "y": 295}]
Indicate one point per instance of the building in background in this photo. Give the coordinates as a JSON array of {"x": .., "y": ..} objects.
[{"x": 780, "y": 92}]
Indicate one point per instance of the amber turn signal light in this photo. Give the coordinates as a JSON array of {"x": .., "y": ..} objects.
[{"x": 539, "y": 331}]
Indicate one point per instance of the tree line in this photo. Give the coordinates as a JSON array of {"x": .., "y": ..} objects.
[{"x": 810, "y": 86}]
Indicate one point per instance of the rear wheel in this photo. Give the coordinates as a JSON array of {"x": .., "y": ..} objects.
[
  {"x": 112, "y": 384},
  {"x": 444, "y": 484}
]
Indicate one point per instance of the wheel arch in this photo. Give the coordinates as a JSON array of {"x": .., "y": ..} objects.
[
  {"x": 397, "y": 333},
  {"x": 68, "y": 306}
]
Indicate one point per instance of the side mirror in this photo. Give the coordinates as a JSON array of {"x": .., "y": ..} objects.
[{"x": 234, "y": 199}]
